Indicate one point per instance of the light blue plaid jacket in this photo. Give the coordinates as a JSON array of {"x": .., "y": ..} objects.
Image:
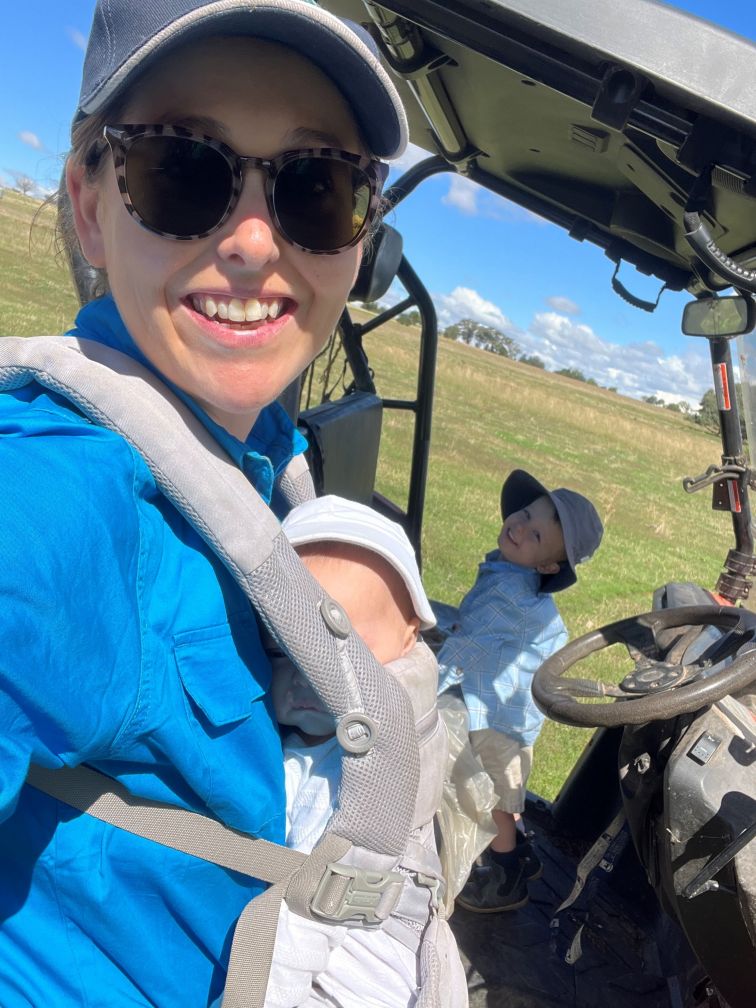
[{"x": 507, "y": 629}]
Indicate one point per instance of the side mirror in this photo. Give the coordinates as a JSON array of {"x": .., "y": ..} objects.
[{"x": 719, "y": 316}]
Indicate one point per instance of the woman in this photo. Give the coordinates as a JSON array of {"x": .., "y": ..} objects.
[{"x": 124, "y": 643}]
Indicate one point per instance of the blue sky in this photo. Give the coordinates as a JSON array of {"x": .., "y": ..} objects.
[{"x": 479, "y": 256}]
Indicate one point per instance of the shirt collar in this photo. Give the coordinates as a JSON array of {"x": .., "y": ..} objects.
[
  {"x": 495, "y": 561},
  {"x": 270, "y": 445}
]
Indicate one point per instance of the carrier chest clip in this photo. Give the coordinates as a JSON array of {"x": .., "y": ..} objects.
[{"x": 354, "y": 895}]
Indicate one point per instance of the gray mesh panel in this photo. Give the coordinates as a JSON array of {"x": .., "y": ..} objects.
[
  {"x": 287, "y": 598},
  {"x": 295, "y": 482}
]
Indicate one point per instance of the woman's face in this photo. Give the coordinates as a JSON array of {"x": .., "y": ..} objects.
[{"x": 261, "y": 99}]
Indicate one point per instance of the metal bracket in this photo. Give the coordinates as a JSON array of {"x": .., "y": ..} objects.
[{"x": 715, "y": 474}]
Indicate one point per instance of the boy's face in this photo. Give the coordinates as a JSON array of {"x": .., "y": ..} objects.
[{"x": 533, "y": 537}]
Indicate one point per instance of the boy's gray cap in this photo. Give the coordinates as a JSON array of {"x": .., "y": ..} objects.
[
  {"x": 336, "y": 519},
  {"x": 581, "y": 526},
  {"x": 127, "y": 35}
]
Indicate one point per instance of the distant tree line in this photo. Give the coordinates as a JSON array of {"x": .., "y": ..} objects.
[
  {"x": 707, "y": 414},
  {"x": 488, "y": 338}
]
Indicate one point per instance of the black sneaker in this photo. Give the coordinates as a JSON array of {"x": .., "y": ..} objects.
[
  {"x": 530, "y": 863},
  {"x": 492, "y": 889}
]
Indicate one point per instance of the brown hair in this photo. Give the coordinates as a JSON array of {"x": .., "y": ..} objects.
[{"x": 87, "y": 149}]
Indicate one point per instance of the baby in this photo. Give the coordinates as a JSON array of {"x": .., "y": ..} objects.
[{"x": 365, "y": 563}]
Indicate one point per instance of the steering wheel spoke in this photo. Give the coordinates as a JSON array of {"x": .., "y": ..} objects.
[
  {"x": 588, "y": 688},
  {"x": 661, "y": 685}
]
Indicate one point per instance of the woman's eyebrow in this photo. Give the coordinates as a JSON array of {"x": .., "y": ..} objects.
[
  {"x": 302, "y": 136},
  {"x": 312, "y": 138},
  {"x": 198, "y": 124}
]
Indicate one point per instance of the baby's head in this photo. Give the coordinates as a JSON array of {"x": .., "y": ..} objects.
[
  {"x": 366, "y": 563},
  {"x": 549, "y": 531}
]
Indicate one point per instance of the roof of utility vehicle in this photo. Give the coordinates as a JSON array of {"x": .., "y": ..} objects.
[{"x": 607, "y": 117}]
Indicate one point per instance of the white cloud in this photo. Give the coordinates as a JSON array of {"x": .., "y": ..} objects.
[
  {"x": 563, "y": 304},
  {"x": 463, "y": 302},
  {"x": 30, "y": 139},
  {"x": 78, "y": 39},
  {"x": 463, "y": 194},
  {"x": 635, "y": 369},
  {"x": 476, "y": 201}
]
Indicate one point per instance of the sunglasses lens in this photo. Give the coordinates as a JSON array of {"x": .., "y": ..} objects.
[
  {"x": 321, "y": 203},
  {"x": 178, "y": 186}
]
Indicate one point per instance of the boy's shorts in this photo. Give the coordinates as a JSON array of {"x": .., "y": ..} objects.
[{"x": 508, "y": 763}]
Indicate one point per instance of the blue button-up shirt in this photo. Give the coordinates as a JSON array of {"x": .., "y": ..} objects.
[
  {"x": 124, "y": 643},
  {"x": 507, "y": 628}
]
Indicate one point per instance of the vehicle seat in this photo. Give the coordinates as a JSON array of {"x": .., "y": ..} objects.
[{"x": 344, "y": 438}]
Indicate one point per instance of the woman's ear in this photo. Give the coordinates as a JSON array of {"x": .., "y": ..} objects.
[
  {"x": 85, "y": 200},
  {"x": 360, "y": 254}
]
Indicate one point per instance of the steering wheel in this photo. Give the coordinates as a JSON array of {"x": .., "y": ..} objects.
[{"x": 660, "y": 685}]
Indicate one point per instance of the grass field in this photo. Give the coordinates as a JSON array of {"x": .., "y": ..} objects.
[{"x": 491, "y": 415}]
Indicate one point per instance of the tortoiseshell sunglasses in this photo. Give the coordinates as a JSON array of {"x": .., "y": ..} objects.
[{"x": 183, "y": 185}]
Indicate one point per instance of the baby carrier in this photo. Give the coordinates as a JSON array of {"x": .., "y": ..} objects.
[{"x": 375, "y": 865}]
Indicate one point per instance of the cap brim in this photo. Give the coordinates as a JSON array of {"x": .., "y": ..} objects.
[
  {"x": 334, "y": 519},
  {"x": 343, "y": 53},
  {"x": 519, "y": 490}
]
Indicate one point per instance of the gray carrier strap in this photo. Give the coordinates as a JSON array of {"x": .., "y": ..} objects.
[
  {"x": 255, "y": 933},
  {"x": 295, "y": 482},
  {"x": 373, "y": 713},
  {"x": 100, "y": 796},
  {"x": 309, "y": 881}
]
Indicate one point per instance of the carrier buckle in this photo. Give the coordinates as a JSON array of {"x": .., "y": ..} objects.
[
  {"x": 435, "y": 885},
  {"x": 355, "y": 895}
]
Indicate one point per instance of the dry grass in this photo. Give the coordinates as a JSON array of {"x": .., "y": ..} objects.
[{"x": 36, "y": 294}]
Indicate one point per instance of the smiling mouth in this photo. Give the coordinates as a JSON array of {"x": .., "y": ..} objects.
[{"x": 236, "y": 310}]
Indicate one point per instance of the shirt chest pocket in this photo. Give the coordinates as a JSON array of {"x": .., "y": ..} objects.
[{"x": 222, "y": 688}]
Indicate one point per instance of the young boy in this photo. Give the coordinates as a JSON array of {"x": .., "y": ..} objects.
[
  {"x": 366, "y": 563},
  {"x": 508, "y": 626}
]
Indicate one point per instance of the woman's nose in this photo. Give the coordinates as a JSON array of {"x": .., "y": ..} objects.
[{"x": 249, "y": 239}]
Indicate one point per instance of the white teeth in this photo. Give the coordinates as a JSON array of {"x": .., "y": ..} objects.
[
  {"x": 253, "y": 310},
  {"x": 236, "y": 310}
]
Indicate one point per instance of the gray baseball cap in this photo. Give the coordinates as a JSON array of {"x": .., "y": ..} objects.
[
  {"x": 581, "y": 526},
  {"x": 127, "y": 35}
]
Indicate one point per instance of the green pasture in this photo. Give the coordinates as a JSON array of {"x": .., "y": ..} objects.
[{"x": 491, "y": 415}]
